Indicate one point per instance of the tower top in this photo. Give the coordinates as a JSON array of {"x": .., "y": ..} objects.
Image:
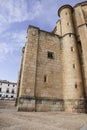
[
  {"x": 81, "y": 3},
  {"x": 64, "y": 6}
]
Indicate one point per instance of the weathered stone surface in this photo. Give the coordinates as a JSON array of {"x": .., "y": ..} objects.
[{"x": 53, "y": 74}]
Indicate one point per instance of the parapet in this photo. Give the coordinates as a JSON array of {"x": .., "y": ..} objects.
[
  {"x": 81, "y": 4},
  {"x": 31, "y": 26},
  {"x": 64, "y": 6}
]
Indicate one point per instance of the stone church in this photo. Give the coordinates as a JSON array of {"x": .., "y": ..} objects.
[{"x": 53, "y": 70}]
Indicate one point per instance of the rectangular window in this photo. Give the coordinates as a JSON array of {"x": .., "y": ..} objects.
[
  {"x": 12, "y": 90},
  {"x": 7, "y": 91},
  {"x": 0, "y": 89},
  {"x": 50, "y": 55}
]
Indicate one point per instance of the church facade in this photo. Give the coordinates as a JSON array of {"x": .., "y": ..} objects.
[{"x": 53, "y": 70}]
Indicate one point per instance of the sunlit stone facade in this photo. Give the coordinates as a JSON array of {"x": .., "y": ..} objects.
[{"x": 53, "y": 72}]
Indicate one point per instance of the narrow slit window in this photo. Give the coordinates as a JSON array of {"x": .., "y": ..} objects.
[
  {"x": 50, "y": 55},
  {"x": 69, "y": 35},
  {"x": 12, "y": 96},
  {"x": 45, "y": 78},
  {"x": 74, "y": 66},
  {"x": 7, "y": 91},
  {"x": 75, "y": 85},
  {"x": 72, "y": 49},
  {"x": 67, "y": 23}
]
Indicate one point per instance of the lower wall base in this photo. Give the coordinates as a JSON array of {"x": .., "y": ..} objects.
[
  {"x": 45, "y": 105},
  {"x": 40, "y": 104},
  {"x": 75, "y": 105},
  {"x": 25, "y": 104}
]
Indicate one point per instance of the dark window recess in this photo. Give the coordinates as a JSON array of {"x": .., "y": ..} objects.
[
  {"x": 72, "y": 49},
  {"x": 67, "y": 23},
  {"x": 6, "y": 96},
  {"x": 45, "y": 78},
  {"x": 0, "y": 95},
  {"x": 0, "y": 89},
  {"x": 8, "y": 84},
  {"x": 75, "y": 85},
  {"x": 12, "y": 91},
  {"x": 11, "y": 96},
  {"x": 50, "y": 55},
  {"x": 13, "y": 85},
  {"x": 70, "y": 35},
  {"x": 74, "y": 66},
  {"x": 7, "y": 91}
]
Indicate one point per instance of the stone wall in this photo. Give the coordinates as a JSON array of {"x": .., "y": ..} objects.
[{"x": 54, "y": 68}]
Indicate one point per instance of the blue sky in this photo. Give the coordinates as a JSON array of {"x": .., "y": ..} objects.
[{"x": 15, "y": 16}]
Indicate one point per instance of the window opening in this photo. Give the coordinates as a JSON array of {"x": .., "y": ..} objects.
[
  {"x": 75, "y": 85},
  {"x": 45, "y": 78},
  {"x": 0, "y": 89},
  {"x": 12, "y": 90},
  {"x": 72, "y": 49},
  {"x": 67, "y": 23},
  {"x": 50, "y": 55},
  {"x": 7, "y": 91},
  {"x": 69, "y": 35},
  {"x": 74, "y": 66}
]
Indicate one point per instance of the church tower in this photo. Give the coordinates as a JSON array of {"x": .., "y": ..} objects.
[
  {"x": 72, "y": 79},
  {"x": 53, "y": 71}
]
